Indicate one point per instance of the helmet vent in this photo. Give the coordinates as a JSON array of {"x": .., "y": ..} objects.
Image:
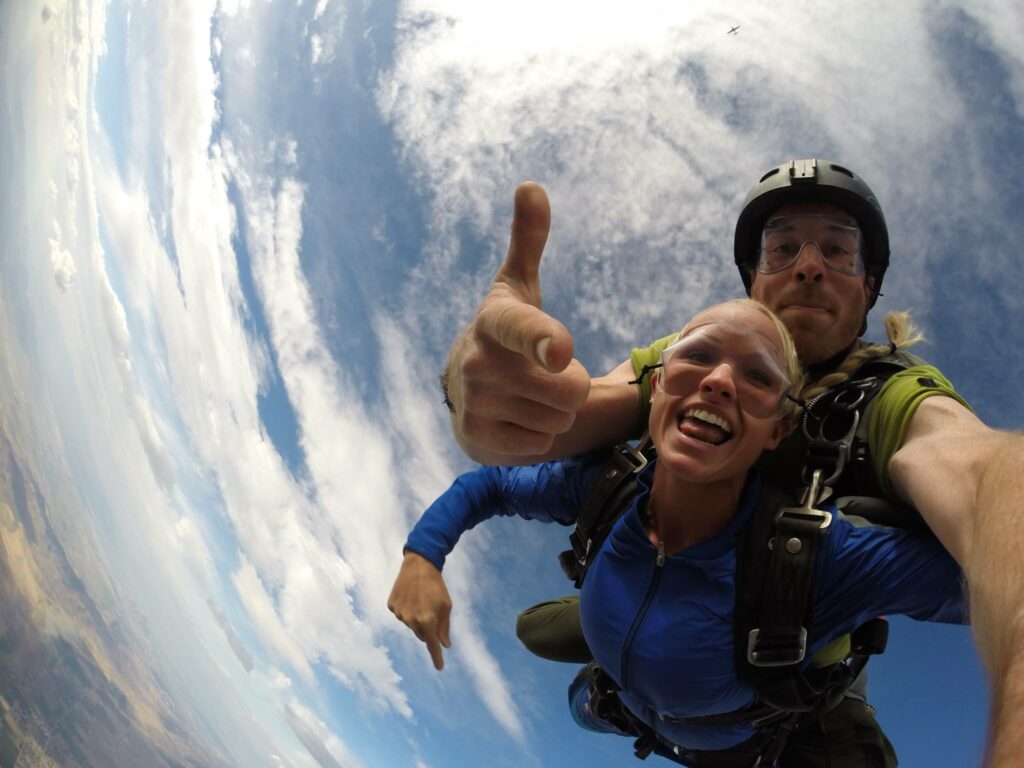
[
  {"x": 843, "y": 170},
  {"x": 768, "y": 175}
]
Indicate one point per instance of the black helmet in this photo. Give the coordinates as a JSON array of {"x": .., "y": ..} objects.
[{"x": 813, "y": 180}]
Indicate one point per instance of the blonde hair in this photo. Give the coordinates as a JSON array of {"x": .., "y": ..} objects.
[
  {"x": 902, "y": 334},
  {"x": 789, "y": 410}
]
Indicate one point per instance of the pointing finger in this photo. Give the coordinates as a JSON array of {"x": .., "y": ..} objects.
[
  {"x": 442, "y": 630},
  {"x": 435, "y": 651}
]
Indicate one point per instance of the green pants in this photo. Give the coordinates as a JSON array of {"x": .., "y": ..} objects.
[{"x": 847, "y": 736}]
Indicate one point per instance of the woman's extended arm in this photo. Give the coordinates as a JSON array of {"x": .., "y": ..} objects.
[{"x": 547, "y": 492}]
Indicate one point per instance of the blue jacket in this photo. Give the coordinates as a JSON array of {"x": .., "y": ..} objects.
[{"x": 665, "y": 633}]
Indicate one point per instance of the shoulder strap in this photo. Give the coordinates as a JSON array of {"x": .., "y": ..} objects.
[
  {"x": 774, "y": 606},
  {"x": 775, "y": 569},
  {"x": 606, "y": 500}
]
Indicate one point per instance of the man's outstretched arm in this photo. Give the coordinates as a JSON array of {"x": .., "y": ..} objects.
[
  {"x": 517, "y": 394},
  {"x": 967, "y": 480}
]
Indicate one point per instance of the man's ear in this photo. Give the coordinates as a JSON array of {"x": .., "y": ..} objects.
[
  {"x": 869, "y": 286},
  {"x": 752, "y": 271}
]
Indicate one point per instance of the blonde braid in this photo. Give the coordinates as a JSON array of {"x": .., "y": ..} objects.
[{"x": 902, "y": 334}]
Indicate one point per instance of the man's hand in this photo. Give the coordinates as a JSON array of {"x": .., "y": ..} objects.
[
  {"x": 420, "y": 600},
  {"x": 511, "y": 376}
]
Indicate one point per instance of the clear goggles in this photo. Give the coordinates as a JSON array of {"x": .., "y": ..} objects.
[
  {"x": 758, "y": 376},
  {"x": 784, "y": 238}
]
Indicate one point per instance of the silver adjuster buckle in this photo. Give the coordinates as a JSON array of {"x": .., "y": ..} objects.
[
  {"x": 816, "y": 493},
  {"x": 586, "y": 553},
  {"x": 636, "y": 456},
  {"x": 822, "y": 517},
  {"x": 797, "y": 655}
]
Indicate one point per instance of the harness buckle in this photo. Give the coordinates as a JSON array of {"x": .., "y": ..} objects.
[
  {"x": 815, "y": 493},
  {"x": 636, "y": 456},
  {"x": 582, "y": 560},
  {"x": 824, "y": 450},
  {"x": 776, "y": 657},
  {"x": 809, "y": 513}
]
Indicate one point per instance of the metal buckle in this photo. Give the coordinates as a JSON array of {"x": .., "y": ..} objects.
[
  {"x": 634, "y": 453},
  {"x": 815, "y": 493},
  {"x": 795, "y": 658},
  {"x": 586, "y": 553},
  {"x": 806, "y": 512},
  {"x": 844, "y": 405}
]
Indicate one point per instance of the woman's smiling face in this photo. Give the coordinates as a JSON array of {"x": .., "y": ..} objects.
[{"x": 715, "y": 412}]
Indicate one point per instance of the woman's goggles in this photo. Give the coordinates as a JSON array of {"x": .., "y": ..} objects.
[
  {"x": 784, "y": 238},
  {"x": 758, "y": 375}
]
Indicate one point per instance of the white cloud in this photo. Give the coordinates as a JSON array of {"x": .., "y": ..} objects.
[
  {"x": 192, "y": 548},
  {"x": 316, "y": 48},
  {"x": 160, "y": 461},
  {"x": 348, "y": 473},
  {"x": 233, "y": 7},
  {"x": 325, "y": 747},
  {"x": 648, "y": 127},
  {"x": 324, "y": 31},
  {"x": 263, "y": 614},
  {"x": 63, "y": 264}
]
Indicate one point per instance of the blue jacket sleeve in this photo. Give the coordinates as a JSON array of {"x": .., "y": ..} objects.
[
  {"x": 867, "y": 572},
  {"x": 550, "y": 492}
]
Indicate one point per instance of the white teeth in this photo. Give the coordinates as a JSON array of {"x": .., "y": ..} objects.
[{"x": 710, "y": 418}]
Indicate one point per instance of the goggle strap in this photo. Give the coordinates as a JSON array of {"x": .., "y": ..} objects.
[{"x": 644, "y": 371}]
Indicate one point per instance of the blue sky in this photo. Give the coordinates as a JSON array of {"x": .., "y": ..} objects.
[{"x": 239, "y": 238}]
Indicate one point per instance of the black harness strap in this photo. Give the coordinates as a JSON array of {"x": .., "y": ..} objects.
[
  {"x": 607, "y": 498},
  {"x": 606, "y": 704},
  {"x": 771, "y": 631}
]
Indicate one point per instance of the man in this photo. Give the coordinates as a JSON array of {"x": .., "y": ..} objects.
[{"x": 517, "y": 396}]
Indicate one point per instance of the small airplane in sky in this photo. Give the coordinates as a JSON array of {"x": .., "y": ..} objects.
[{"x": 733, "y": 31}]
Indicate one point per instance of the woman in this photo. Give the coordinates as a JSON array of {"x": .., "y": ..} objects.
[{"x": 657, "y": 604}]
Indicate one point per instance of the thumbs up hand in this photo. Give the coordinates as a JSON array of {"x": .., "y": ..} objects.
[{"x": 511, "y": 378}]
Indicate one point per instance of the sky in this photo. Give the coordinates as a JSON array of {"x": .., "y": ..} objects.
[{"x": 239, "y": 237}]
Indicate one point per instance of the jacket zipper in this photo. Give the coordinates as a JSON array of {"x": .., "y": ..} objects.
[{"x": 627, "y": 646}]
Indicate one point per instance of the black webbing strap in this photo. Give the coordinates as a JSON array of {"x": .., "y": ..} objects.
[
  {"x": 775, "y": 572},
  {"x": 779, "y": 637},
  {"x": 607, "y": 498},
  {"x": 604, "y": 702}
]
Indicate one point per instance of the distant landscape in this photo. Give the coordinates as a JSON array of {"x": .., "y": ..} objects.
[{"x": 74, "y": 691}]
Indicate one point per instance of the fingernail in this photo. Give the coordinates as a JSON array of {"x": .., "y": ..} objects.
[{"x": 542, "y": 350}]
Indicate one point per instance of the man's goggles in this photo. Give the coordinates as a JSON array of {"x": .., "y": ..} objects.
[
  {"x": 785, "y": 237},
  {"x": 758, "y": 375}
]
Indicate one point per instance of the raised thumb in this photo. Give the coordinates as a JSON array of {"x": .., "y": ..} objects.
[{"x": 531, "y": 223}]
